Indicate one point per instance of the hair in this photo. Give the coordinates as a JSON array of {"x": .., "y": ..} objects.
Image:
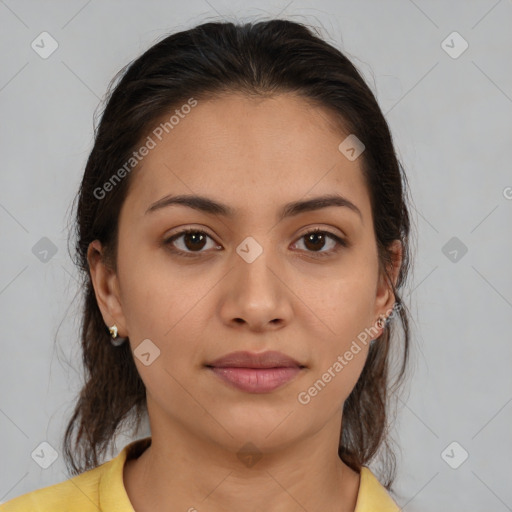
[{"x": 258, "y": 59}]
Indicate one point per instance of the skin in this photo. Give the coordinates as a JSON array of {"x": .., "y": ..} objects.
[{"x": 254, "y": 156}]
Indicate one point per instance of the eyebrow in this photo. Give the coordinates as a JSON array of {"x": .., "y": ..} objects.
[{"x": 208, "y": 205}]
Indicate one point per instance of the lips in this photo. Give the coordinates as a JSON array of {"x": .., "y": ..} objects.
[
  {"x": 255, "y": 373},
  {"x": 269, "y": 359}
]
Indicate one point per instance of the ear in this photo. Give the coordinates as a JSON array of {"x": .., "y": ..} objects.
[
  {"x": 106, "y": 288},
  {"x": 385, "y": 298}
]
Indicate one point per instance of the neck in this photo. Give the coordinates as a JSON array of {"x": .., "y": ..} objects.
[{"x": 182, "y": 472}]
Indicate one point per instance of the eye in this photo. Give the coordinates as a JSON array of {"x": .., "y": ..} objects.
[
  {"x": 193, "y": 241},
  {"x": 317, "y": 239}
]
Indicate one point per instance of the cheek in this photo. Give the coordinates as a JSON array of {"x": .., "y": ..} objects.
[
  {"x": 164, "y": 307},
  {"x": 344, "y": 295},
  {"x": 347, "y": 306},
  {"x": 346, "y": 311},
  {"x": 332, "y": 381},
  {"x": 153, "y": 299}
]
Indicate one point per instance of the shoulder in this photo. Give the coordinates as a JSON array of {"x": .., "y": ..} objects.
[
  {"x": 101, "y": 488},
  {"x": 373, "y": 496},
  {"x": 77, "y": 493}
]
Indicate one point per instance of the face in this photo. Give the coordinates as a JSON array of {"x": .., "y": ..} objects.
[{"x": 251, "y": 278}]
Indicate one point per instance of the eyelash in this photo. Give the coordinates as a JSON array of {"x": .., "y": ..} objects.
[{"x": 340, "y": 241}]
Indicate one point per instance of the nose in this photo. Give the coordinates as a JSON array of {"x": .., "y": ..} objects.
[{"x": 256, "y": 295}]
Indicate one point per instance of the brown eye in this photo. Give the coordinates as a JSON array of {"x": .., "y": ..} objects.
[
  {"x": 192, "y": 241},
  {"x": 316, "y": 240}
]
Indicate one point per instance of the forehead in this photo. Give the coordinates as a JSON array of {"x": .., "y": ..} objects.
[{"x": 251, "y": 153}]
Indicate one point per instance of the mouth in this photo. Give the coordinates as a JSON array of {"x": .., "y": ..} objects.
[{"x": 256, "y": 373}]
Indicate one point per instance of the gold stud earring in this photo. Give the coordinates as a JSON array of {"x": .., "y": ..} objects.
[
  {"x": 113, "y": 333},
  {"x": 382, "y": 321}
]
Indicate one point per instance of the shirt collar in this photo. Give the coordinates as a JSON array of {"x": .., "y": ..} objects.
[{"x": 112, "y": 493}]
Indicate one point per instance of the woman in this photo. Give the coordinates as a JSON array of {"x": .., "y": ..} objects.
[{"x": 243, "y": 233}]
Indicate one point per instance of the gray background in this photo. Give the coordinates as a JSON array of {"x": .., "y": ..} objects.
[{"x": 451, "y": 119}]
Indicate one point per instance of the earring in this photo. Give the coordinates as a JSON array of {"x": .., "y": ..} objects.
[
  {"x": 113, "y": 333},
  {"x": 382, "y": 323}
]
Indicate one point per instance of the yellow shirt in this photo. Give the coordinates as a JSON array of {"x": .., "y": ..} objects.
[{"x": 102, "y": 489}]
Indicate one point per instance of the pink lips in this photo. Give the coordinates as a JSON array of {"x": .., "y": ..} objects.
[{"x": 256, "y": 373}]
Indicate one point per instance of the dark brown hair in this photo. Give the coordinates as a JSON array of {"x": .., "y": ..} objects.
[{"x": 257, "y": 59}]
